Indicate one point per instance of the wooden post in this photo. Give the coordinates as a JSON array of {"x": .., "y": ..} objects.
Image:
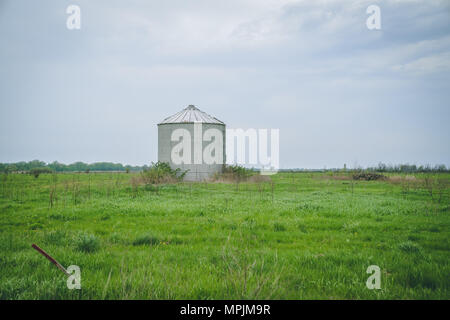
[{"x": 51, "y": 259}]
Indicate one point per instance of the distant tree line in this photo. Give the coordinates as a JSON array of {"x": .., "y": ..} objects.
[
  {"x": 408, "y": 168},
  {"x": 109, "y": 166},
  {"x": 381, "y": 167},
  {"x": 61, "y": 167}
]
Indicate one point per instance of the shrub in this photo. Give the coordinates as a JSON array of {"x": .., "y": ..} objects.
[
  {"x": 368, "y": 176},
  {"x": 234, "y": 173},
  {"x": 146, "y": 239},
  {"x": 87, "y": 243},
  {"x": 161, "y": 172},
  {"x": 37, "y": 171},
  {"x": 238, "y": 171}
]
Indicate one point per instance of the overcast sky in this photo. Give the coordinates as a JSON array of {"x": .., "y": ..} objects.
[{"x": 338, "y": 92}]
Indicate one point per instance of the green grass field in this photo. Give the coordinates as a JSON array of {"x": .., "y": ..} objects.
[{"x": 306, "y": 236}]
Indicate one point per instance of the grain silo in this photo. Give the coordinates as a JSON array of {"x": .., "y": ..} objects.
[{"x": 192, "y": 140}]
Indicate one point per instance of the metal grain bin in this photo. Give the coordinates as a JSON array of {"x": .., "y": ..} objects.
[{"x": 192, "y": 136}]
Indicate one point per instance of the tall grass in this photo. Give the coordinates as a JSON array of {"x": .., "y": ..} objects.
[{"x": 291, "y": 236}]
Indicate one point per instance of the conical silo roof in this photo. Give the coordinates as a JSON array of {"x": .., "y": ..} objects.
[{"x": 191, "y": 114}]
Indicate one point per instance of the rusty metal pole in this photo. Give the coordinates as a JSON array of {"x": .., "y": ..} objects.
[{"x": 51, "y": 259}]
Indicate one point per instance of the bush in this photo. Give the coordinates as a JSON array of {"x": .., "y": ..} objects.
[
  {"x": 37, "y": 171},
  {"x": 234, "y": 173},
  {"x": 146, "y": 239},
  {"x": 87, "y": 243},
  {"x": 368, "y": 176},
  {"x": 161, "y": 172}
]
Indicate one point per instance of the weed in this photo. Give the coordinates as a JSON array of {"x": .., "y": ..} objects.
[
  {"x": 146, "y": 239},
  {"x": 87, "y": 243}
]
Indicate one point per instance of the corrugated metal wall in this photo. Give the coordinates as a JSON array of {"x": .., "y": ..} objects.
[{"x": 197, "y": 172}]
